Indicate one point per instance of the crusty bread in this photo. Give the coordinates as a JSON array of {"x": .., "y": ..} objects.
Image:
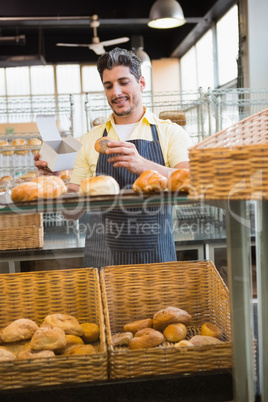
[
  {"x": 182, "y": 344},
  {"x": 122, "y": 339},
  {"x": 146, "y": 338},
  {"x": 48, "y": 338},
  {"x": 101, "y": 144},
  {"x": 135, "y": 326},
  {"x": 65, "y": 175},
  {"x": 203, "y": 340},
  {"x": 177, "y": 180},
  {"x": 91, "y": 332},
  {"x": 175, "y": 332},
  {"x": 150, "y": 181},
  {"x": 170, "y": 315},
  {"x": 19, "y": 330},
  {"x": 6, "y": 355},
  {"x": 80, "y": 350},
  {"x": 50, "y": 186},
  {"x": 24, "y": 192},
  {"x": 70, "y": 341},
  {"x": 3, "y": 145},
  {"x": 29, "y": 176},
  {"x": 21, "y": 144},
  {"x": 17, "y": 347},
  {"x": 66, "y": 322},
  {"x": 31, "y": 354},
  {"x": 99, "y": 185},
  {"x": 211, "y": 330}
]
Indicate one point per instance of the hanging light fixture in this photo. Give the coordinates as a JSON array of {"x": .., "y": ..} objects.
[
  {"x": 166, "y": 14},
  {"x": 137, "y": 47}
]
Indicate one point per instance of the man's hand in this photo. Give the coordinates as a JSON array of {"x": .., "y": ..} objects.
[
  {"x": 42, "y": 167},
  {"x": 127, "y": 156}
]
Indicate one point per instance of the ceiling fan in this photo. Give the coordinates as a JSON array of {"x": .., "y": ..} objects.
[{"x": 96, "y": 45}]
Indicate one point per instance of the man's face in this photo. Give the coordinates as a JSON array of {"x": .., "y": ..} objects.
[{"x": 123, "y": 92}]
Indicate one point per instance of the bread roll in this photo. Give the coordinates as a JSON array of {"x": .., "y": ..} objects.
[
  {"x": 50, "y": 186},
  {"x": 80, "y": 350},
  {"x": 19, "y": 330},
  {"x": 101, "y": 144},
  {"x": 24, "y": 192},
  {"x": 21, "y": 144},
  {"x": 176, "y": 116},
  {"x": 177, "y": 179},
  {"x": 91, "y": 332},
  {"x": 35, "y": 143},
  {"x": 203, "y": 340},
  {"x": 29, "y": 176},
  {"x": 3, "y": 146},
  {"x": 146, "y": 338},
  {"x": 30, "y": 354},
  {"x": 48, "y": 338},
  {"x": 67, "y": 323},
  {"x": 99, "y": 120},
  {"x": 70, "y": 341},
  {"x": 122, "y": 339},
  {"x": 150, "y": 181},
  {"x": 175, "y": 332},
  {"x": 182, "y": 344},
  {"x": 99, "y": 185},
  {"x": 6, "y": 355},
  {"x": 211, "y": 330},
  {"x": 170, "y": 315},
  {"x": 6, "y": 179},
  {"x": 65, "y": 175},
  {"x": 17, "y": 347},
  {"x": 136, "y": 326}
]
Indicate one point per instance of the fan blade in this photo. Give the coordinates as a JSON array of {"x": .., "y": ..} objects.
[
  {"x": 97, "y": 48},
  {"x": 114, "y": 41},
  {"x": 72, "y": 44}
]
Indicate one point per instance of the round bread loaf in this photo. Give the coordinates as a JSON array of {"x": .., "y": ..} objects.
[
  {"x": 34, "y": 142},
  {"x": 66, "y": 322},
  {"x": 6, "y": 179},
  {"x": 50, "y": 186},
  {"x": 99, "y": 185},
  {"x": 48, "y": 338},
  {"x": 101, "y": 144},
  {"x": 150, "y": 181},
  {"x": 91, "y": 332},
  {"x": 203, "y": 340},
  {"x": 136, "y": 326},
  {"x": 80, "y": 350},
  {"x": 170, "y": 315},
  {"x": 177, "y": 179},
  {"x": 66, "y": 175},
  {"x": 21, "y": 143},
  {"x": 175, "y": 332},
  {"x": 29, "y": 176},
  {"x": 211, "y": 330},
  {"x": 19, "y": 330},
  {"x": 146, "y": 338}
]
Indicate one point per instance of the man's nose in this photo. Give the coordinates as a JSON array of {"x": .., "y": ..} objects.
[{"x": 117, "y": 90}]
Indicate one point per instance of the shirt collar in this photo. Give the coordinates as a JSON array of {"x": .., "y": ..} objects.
[{"x": 148, "y": 116}]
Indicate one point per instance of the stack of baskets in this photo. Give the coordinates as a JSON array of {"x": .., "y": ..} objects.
[{"x": 232, "y": 164}]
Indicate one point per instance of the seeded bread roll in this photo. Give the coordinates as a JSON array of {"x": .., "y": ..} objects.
[
  {"x": 170, "y": 315},
  {"x": 19, "y": 330},
  {"x": 135, "y": 326},
  {"x": 146, "y": 338},
  {"x": 101, "y": 144},
  {"x": 150, "y": 181},
  {"x": 99, "y": 185}
]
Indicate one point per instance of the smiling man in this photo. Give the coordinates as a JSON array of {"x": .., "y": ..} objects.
[{"x": 140, "y": 141}]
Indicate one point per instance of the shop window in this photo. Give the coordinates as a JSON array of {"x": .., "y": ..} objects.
[
  {"x": 42, "y": 80},
  {"x": 18, "y": 81},
  {"x": 68, "y": 79}
]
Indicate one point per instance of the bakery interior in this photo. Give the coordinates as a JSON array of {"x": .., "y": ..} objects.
[{"x": 207, "y": 75}]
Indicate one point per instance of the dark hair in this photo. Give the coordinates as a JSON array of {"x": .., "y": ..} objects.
[{"x": 119, "y": 57}]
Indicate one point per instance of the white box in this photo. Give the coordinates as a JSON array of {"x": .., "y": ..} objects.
[{"x": 58, "y": 152}]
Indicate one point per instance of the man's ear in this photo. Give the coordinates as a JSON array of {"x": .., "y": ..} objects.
[{"x": 142, "y": 83}]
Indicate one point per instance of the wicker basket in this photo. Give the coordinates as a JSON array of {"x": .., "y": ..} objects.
[
  {"x": 176, "y": 116},
  {"x": 18, "y": 231},
  {"x": 232, "y": 164},
  {"x": 37, "y": 294},
  {"x": 132, "y": 293}
]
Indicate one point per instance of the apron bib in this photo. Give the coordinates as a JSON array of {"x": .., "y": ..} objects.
[{"x": 132, "y": 235}]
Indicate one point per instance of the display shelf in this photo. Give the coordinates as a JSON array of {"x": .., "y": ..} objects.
[{"x": 77, "y": 203}]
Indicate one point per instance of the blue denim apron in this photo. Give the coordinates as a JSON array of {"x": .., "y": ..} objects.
[{"x": 132, "y": 235}]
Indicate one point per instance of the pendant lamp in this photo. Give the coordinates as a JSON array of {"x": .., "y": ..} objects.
[{"x": 166, "y": 14}]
